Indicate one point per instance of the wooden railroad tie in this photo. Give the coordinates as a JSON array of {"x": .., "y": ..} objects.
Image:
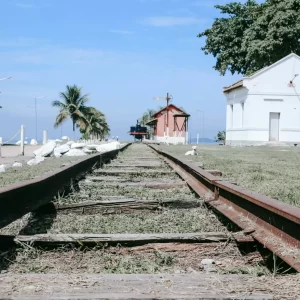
[
  {"x": 127, "y": 172},
  {"x": 151, "y": 185},
  {"x": 127, "y": 239},
  {"x": 116, "y": 206},
  {"x": 200, "y": 286}
]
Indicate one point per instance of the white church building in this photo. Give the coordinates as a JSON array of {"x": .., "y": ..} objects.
[{"x": 265, "y": 108}]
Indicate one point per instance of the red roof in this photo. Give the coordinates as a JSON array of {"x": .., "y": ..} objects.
[{"x": 165, "y": 108}]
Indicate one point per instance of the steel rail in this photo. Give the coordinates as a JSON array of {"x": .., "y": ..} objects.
[
  {"x": 273, "y": 224},
  {"x": 24, "y": 197}
]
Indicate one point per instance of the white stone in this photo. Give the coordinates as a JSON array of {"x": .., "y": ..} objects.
[
  {"x": 75, "y": 152},
  {"x": 57, "y": 153},
  {"x": 207, "y": 261},
  {"x": 70, "y": 143},
  {"x": 62, "y": 149},
  {"x": 35, "y": 161},
  {"x": 33, "y": 142},
  {"x": 58, "y": 141},
  {"x": 45, "y": 150},
  {"x": 77, "y": 145},
  {"x": 18, "y": 143},
  {"x": 108, "y": 147},
  {"x": 3, "y": 168},
  {"x": 91, "y": 147},
  {"x": 88, "y": 151},
  {"x": 17, "y": 165},
  {"x": 65, "y": 138},
  {"x": 208, "y": 265}
]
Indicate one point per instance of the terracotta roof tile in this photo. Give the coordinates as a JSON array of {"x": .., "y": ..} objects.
[{"x": 233, "y": 86}]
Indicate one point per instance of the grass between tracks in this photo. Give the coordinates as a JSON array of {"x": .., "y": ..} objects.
[
  {"x": 168, "y": 221},
  {"x": 272, "y": 171},
  {"x": 148, "y": 259},
  {"x": 15, "y": 175}
]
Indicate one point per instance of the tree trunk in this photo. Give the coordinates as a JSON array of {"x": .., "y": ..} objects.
[{"x": 74, "y": 130}]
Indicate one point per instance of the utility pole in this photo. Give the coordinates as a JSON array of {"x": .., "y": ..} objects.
[
  {"x": 168, "y": 98},
  {"x": 36, "y": 121},
  {"x": 6, "y": 78}
]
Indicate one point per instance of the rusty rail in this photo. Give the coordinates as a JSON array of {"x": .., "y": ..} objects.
[
  {"x": 273, "y": 224},
  {"x": 21, "y": 198}
]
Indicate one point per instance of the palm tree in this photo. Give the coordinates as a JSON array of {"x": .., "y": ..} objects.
[
  {"x": 94, "y": 124},
  {"x": 72, "y": 106}
]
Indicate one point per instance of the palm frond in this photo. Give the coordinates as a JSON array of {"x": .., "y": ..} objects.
[
  {"x": 61, "y": 117},
  {"x": 59, "y": 104}
]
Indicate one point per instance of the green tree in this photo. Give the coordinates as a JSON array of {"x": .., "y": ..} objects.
[
  {"x": 221, "y": 137},
  {"x": 147, "y": 116},
  {"x": 72, "y": 106},
  {"x": 252, "y": 36},
  {"x": 274, "y": 34},
  {"x": 94, "y": 124},
  {"x": 224, "y": 39}
]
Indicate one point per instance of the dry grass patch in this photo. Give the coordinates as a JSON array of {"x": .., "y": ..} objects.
[
  {"x": 15, "y": 175},
  {"x": 167, "y": 221},
  {"x": 268, "y": 170},
  {"x": 135, "y": 260}
]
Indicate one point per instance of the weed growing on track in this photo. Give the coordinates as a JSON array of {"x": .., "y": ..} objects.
[
  {"x": 120, "y": 260},
  {"x": 272, "y": 171},
  {"x": 167, "y": 221},
  {"x": 94, "y": 193}
]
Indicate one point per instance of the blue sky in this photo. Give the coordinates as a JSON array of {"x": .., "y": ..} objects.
[{"x": 123, "y": 53}]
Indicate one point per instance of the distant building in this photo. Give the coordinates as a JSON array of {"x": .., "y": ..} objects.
[
  {"x": 265, "y": 107},
  {"x": 170, "y": 125}
]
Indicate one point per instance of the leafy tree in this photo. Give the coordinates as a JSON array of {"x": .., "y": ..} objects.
[
  {"x": 224, "y": 39},
  {"x": 94, "y": 124},
  {"x": 72, "y": 106},
  {"x": 221, "y": 137},
  {"x": 252, "y": 36},
  {"x": 274, "y": 35},
  {"x": 147, "y": 116}
]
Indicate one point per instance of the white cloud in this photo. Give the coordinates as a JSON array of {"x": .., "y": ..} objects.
[
  {"x": 166, "y": 21},
  {"x": 121, "y": 31}
]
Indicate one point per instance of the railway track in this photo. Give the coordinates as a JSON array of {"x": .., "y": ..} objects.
[{"x": 139, "y": 226}]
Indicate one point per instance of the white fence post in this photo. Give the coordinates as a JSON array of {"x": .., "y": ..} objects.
[
  {"x": 22, "y": 139},
  {"x": 45, "y": 137}
]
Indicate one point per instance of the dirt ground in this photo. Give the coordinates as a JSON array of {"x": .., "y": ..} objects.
[{"x": 11, "y": 154}]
